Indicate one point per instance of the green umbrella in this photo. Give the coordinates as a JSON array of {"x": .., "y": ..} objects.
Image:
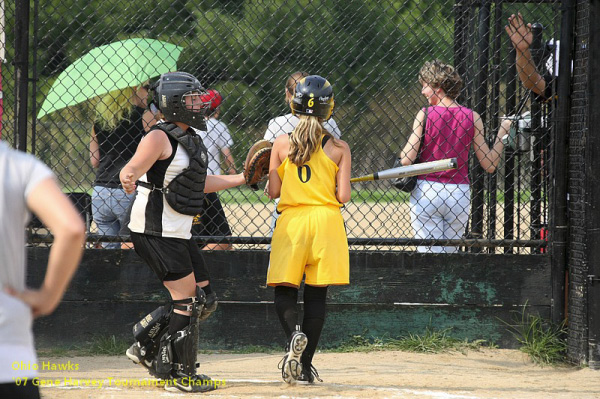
[{"x": 110, "y": 67}]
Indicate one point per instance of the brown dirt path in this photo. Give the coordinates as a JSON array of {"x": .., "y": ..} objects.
[{"x": 482, "y": 374}]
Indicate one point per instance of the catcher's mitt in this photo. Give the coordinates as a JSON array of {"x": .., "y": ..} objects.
[{"x": 256, "y": 167}]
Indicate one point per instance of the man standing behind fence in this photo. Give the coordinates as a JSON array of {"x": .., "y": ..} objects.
[{"x": 521, "y": 37}]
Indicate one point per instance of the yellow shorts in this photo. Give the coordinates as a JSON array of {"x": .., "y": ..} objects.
[{"x": 311, "y": 240}]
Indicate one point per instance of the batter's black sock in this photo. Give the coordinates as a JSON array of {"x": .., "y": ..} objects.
[
  {"x": 178, "y": 322},
  {"x": 314, "y": 318},
  {"x": 286, "y": 300},
  {"x": 207, "y": 290}
]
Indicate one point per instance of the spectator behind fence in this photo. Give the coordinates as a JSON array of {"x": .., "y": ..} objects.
[
  {"x": 119, "y": 126},
  {"x": 310, "y": 172},
  {"x": 285, "y": 124},
  {"x": 521, "y": 37},
  {"x": 440, "y": 203},
  {"x": 27, "y": 185},
  {"x": 217, "y": 139}
]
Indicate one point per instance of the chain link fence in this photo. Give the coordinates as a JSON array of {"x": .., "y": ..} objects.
[{"x": 371, "y": 51}]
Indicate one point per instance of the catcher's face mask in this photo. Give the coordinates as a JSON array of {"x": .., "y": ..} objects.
[
  {"x": 192, "y": 101},
  {"x": 178, "y": 95}
]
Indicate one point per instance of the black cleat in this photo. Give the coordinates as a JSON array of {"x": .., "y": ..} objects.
[
  {"x": 308, "y": 375},
  {"x": 135, "y": 354}
]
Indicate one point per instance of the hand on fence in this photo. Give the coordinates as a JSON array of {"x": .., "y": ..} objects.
[{"x": 519, "y": 33}]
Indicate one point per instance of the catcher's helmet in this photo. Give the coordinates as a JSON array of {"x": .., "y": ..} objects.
[
  {"x": 178, "y": 95},
  {"x": 313, "y": 96},
  {"x": 212, "y": 97}
]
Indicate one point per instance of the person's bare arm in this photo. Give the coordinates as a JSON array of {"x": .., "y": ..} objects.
[
  {"x": 344, "y": 190},
  {"x": 154, "y": 146},
  {"x": 411, "y": 149},
  {"x": 222, "y": 182},
  {"x": 489, "y": 158},
  {"x": 521, "y": 37},
  {"x": 229, "y": 160},
  {"x": 94, "y": 150},
  {"x": 280, "y": 147},
  {"x": 57, "y": 212}
]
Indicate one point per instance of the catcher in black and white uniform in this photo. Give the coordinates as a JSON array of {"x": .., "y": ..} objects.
[{"x": 169, "y": 160}]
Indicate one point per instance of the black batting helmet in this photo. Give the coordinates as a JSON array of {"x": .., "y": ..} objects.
[
  {"x": 170, "y": 93},
  {"x": 313, "y": 96}
]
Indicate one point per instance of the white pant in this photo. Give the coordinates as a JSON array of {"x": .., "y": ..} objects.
[{"x": 439, "y": 211}]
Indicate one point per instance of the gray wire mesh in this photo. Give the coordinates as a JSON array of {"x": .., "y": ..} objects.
[{"x": 371, "y": 51}]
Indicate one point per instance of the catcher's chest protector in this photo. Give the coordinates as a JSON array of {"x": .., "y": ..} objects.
[{"x": 185, "y": 193}]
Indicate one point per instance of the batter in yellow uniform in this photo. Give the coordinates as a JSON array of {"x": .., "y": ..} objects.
[
  {"x": 310, "y": 173},
  {"x": 309, "y": 236}
]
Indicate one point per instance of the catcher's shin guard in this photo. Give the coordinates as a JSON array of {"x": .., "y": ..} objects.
[
  {"x": 148, "y": 333},
  {"x": 150, "y": 329},
  {"x": 178, "y": 352}
]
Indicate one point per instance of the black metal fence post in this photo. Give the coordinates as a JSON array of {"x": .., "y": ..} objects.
[
  {"x": 461, "y": 46},
  {"x": 21, "y": 63},
  {"x": 494, "y": 113},
  {"x": 536, "y": 134},
  {"x": 558, "y": 196},
  {"x": 593, "y": 192},
  {"x": 481, "y": 96},
  {"x": 509, "y": 154}
]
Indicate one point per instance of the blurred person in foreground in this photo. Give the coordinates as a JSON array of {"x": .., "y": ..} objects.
[{"x": 26, "y": 186}]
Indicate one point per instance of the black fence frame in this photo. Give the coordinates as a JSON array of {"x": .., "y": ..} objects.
[{"x": 584, "y": 275}]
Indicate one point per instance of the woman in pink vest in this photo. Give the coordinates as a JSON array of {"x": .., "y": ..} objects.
[{"x": 440, "y": 203}]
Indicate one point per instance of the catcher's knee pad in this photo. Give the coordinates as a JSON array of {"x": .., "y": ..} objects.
[
  {"x": 210, "y": 306},
  {"x": 178, "y": 352},
  {"x": 150, "y": 329}
]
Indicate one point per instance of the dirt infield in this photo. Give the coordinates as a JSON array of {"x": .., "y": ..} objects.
[{"x": 478, "y": 374}]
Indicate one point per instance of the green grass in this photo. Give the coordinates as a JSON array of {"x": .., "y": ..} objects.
[
  {"x": 97, "y": 346},
  {"x": 544, "y": 342},
  {"x": 431, "y": 341}
]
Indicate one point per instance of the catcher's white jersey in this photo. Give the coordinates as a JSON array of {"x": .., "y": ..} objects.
[{"x": 151, "y": 214}]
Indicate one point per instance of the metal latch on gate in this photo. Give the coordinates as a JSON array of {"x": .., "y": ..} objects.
[{"x": 592, "y": 278}]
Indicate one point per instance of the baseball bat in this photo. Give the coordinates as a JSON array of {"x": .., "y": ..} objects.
[{"x": 422, "y": 168}]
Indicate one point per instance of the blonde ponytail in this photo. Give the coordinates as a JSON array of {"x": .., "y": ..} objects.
[{"x": 306, "y": 139}]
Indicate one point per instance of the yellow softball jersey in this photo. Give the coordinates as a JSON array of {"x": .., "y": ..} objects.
[
  {"x": 309, "y": 237},
  {"x": 313, "y": 183}
]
